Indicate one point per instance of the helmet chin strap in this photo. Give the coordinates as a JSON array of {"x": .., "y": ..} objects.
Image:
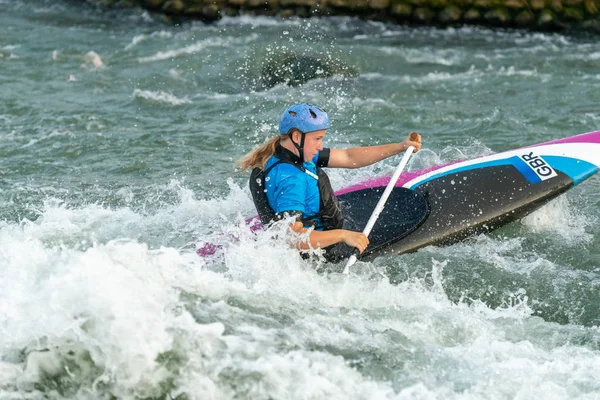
[{"x": 300, "y": 147}]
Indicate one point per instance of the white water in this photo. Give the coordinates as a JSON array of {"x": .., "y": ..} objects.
[
  {"x": 98, "y": 315},
  {"x": 112, "y": 174}
]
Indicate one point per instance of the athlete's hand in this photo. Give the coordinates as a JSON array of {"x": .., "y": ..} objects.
[
  {"x": 413, "y": 139},
  {"x": 298, "y": 227},
  {"x": 355, "y": 239}
]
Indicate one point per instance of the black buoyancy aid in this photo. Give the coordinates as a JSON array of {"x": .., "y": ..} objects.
[{"x": 330, "y": 212}]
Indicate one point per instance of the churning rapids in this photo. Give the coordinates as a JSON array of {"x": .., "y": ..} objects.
[{"x": 118, "y": 136}]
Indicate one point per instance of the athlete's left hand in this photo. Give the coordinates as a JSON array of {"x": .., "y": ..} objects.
[{"x": 413, "y": 139}]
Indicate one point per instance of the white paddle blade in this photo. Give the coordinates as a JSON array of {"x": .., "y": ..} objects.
[{"x": 350, "y": 263}]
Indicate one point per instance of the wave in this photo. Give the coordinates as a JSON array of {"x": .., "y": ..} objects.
[
  {"x": 258, "y": 21},
  {"x": 90, "y": 302},
  {"x": 159, "y": 97},
  {"x": 199, "y": 46},
  {"x": 143, "y": 37},
  {"x": 471, "y": 73},
  {"x": 124, "y": 320}
]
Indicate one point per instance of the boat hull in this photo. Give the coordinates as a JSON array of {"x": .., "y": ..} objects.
[{"x": 480, "y": 195}]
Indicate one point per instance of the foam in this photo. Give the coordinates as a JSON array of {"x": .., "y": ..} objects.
[
  {"x": 91, "y": 57},
  {"x": 160, "y": 97},
  {"x": 144, "y": 37},
  {"x": 560, "y": 221},
  {"x": 199, "y": 46},
  {"x": 258, "y": 21},
  {"x": 268, "y": 326}
]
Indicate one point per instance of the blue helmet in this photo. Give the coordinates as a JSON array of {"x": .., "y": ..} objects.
[{"x": 304, "y": 117}]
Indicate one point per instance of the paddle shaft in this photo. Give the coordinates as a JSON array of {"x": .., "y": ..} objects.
[{"x": 381, "y": 202}]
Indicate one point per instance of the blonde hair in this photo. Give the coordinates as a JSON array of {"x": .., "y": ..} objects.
[{"x": 260, "y": 155}]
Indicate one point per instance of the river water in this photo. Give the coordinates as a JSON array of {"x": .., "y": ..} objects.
[{"x": 119, "y": 133}]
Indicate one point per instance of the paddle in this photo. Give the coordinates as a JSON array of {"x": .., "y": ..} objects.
[{"x": 383, "y": 199}]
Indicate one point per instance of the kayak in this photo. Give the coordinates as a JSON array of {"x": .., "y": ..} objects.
[{"x": 444, "y": 204}]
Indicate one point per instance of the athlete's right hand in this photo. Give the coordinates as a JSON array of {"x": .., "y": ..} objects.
[
  {"x": 414, "y": 140},
  {"x": 355, "y": 239}
]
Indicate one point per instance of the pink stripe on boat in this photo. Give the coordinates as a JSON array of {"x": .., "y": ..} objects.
[{"x": 384, "y": 180}]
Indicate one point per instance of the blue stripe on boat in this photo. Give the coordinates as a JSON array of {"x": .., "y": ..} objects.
[{"x": 576, "y": 169}]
